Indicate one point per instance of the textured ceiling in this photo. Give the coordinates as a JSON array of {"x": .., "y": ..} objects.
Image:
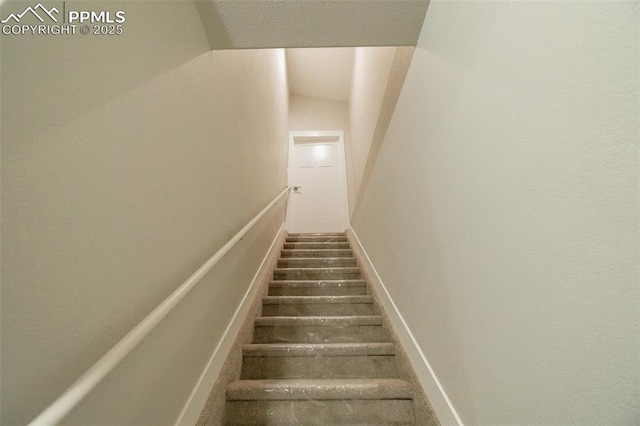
[
  {"x": 322, "y": 73},
  {"x": 251, "y": 24}
]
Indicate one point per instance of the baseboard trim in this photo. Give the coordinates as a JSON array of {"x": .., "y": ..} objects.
[
  {"x": 198, "y": 397},
  {"x": 441, "y": 403}
]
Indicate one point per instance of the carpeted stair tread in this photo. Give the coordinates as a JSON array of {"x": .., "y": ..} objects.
[
  {"x": 316, "y": 262},
  {"x": 318, "y": 283},
  {"x": 318, "y": 349},
  {"x": 319, "y": 353},
  {"x": 324, "y": 321},
  {"x": 319, "y": 253},
  {"x": 294, "y": 300},
  {"x": 318, "y": 389}
]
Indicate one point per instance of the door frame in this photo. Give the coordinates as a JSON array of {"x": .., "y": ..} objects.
[{"x": 330, "y": 136}]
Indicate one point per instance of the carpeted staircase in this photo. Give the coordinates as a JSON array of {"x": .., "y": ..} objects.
[{"x": 320, "y": 355}]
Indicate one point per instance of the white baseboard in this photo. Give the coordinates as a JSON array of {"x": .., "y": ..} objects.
[
  {"x": 437, "y": 396},
  {"x": 198, "y": 398}
]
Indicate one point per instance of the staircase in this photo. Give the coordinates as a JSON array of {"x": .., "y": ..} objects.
[{"x": 320, "y": 355}]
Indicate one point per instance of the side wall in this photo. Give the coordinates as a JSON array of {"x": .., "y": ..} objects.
[
  {"x": 371, "y": 67},
  {"x": 502, "y": 212},
  {"x": 378, "y": 75},
  {"x": 127, "y": 161}
]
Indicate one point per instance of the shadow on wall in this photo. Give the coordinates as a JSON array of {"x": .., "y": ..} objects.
[
  {"x": 117, "y": 153},
  {"x": 79, "y": 73}
]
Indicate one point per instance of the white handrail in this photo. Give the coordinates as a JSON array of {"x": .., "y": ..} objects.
[{"x": 94, "y": 375}]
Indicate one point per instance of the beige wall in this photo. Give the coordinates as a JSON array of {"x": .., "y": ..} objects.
[
  {"x": 371, "y": 67},
  {"x": 309, "y": 113},
  {"x": 378, "y": 75},
  {"x": 502, "y": 212},
  {"x": 127, "y": 162}
]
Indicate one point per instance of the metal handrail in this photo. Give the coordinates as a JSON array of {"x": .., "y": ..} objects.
[{"x": 98, "y": 371}]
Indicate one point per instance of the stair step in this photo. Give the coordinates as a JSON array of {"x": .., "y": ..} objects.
[
  {"x": 317, "y": 305},
  {"x": 299, "y": 300},
  {"x": 318, "y": 349},
  {"x": 318, "y": 361},
  {"x": 336, "y": 239},
  {"x": 320, "y": 329},
  {"x": 316, "y": 253},
  {"x": 319, "y": 402},
  {"x": 317, "y": 273},
  {"x": 318, "y": 389},
  {"x": 315, "y": 234},
  {"x": 397, "y": 412},
  {"x": 316, "y": 238},
  {"x": 315, "y": 262},
  {"x": 317, "y": 288},
  {"x": 316, "y": 245},
  {"x": 323, "y": 321}
]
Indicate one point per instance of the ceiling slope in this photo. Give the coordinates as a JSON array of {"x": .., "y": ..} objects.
[
  {"x": 321, "y": 73},
  {"x": 254, "y": 24}
]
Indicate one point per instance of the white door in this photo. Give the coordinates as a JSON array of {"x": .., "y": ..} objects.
[{"x": 317, "y": 176}]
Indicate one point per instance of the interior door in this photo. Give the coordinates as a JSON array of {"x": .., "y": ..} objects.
[{"x": 317, "y": 176}]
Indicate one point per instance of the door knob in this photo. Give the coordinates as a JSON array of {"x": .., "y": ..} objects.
[{"x": 297, "y": 188}]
